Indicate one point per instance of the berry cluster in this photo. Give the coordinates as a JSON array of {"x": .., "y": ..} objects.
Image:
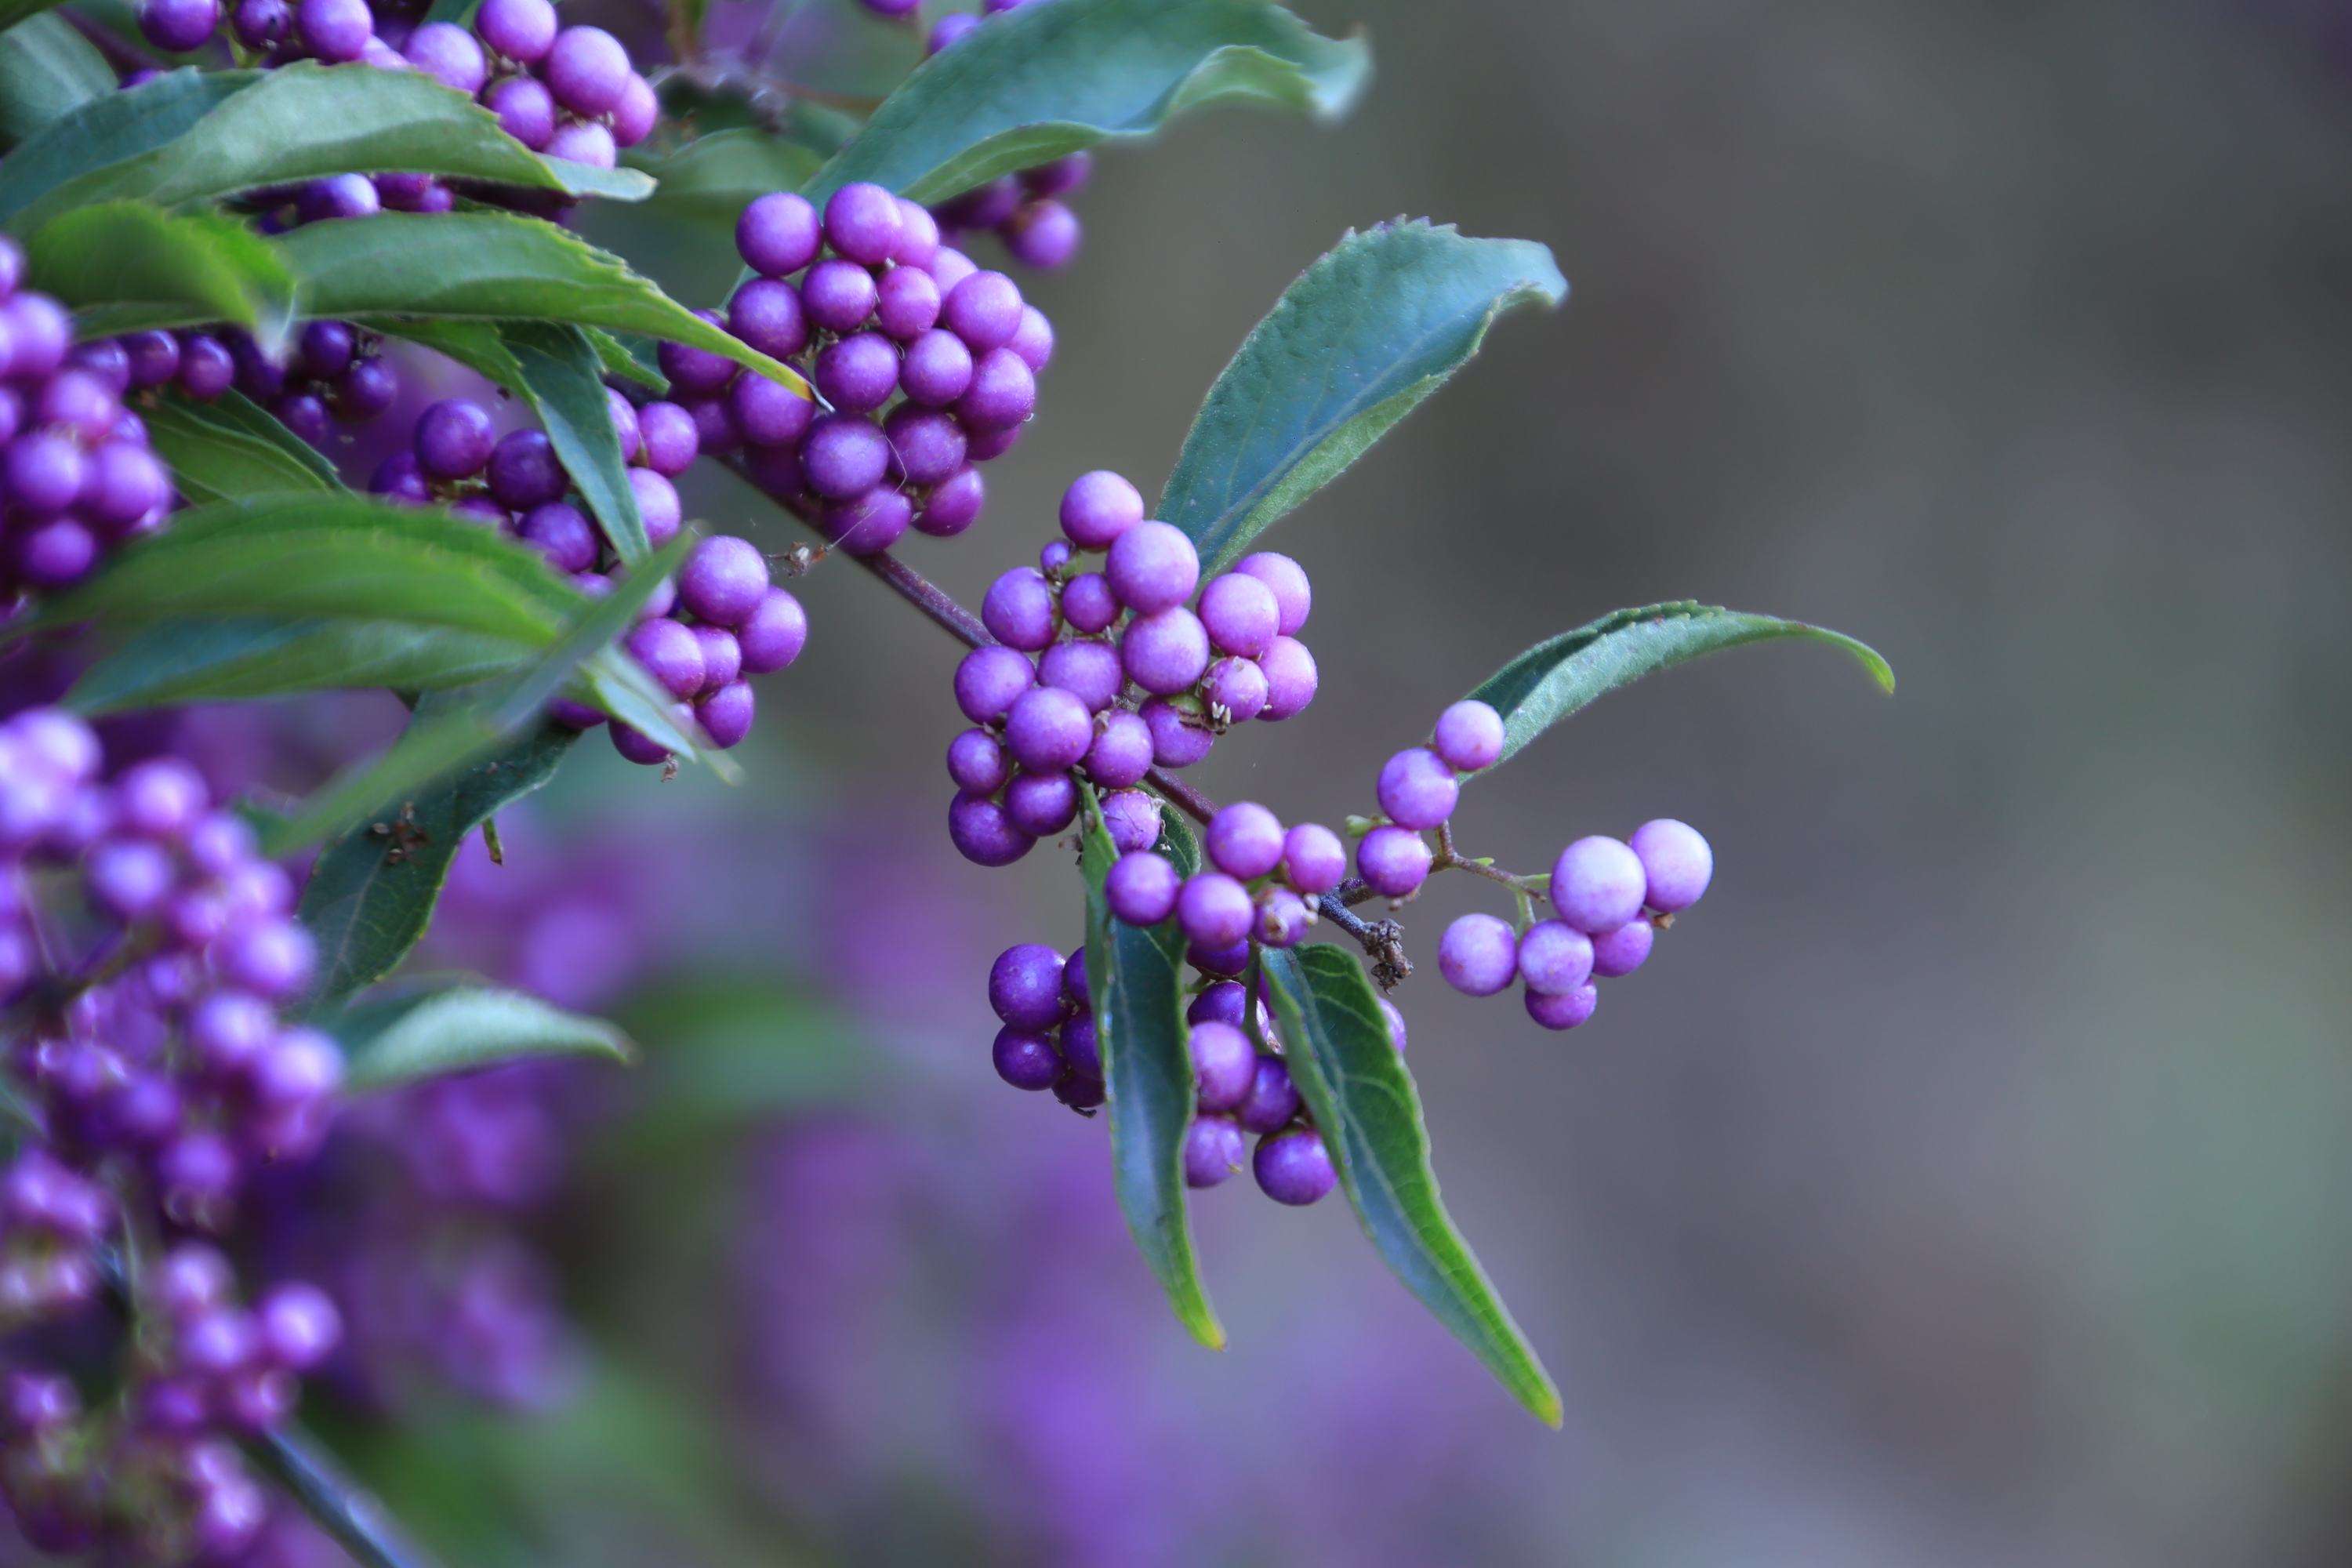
[
  {"x": 77, "y": 476},
  {"x": 699, "y": 636},
  {"x": 1049, "y": 1041},
  {"x": 930, "y": 365},
  {"x": 336, "y": 374},
  {"x": 569, "y": 92},
  {"x": 1612, "y": 897},
  {"x": 1259, "y": 885},
  {"x": 145, "y": 952},
  {"x": 1112, "y": 671}
]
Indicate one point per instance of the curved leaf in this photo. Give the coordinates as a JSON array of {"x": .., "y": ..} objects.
[
  {"x": 493, "y": 267},
  {"x": 215, "y": 661},
  {"x": 416, "y": 1032},
  {"x": 1556, "y": 678},
  {"x": 340, "y": 555},
  {"x": 47, "y": 70},
  {"x": 126, "y": 267},
  {"x": 1367, "y": 332},
  {"x": 301, "y": 121},
  {"x": 712, "y": 177},
  {"x": 1135, "y": 976},
  {"x": 370, "y": 896},
  {"x": 109, "y": 128},
  {"x": 1364, "y": 1104},
  {"x": 1044, "y": 80},
  {"x": 231, "y": 449}
]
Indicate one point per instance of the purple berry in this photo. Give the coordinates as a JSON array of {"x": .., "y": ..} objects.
[
  {"x": 778, "y": 234},
  {"x": 1623, "y": 950},
  {"x": 937, "y": 369},
  {"x": 1089, "y": 670},
  {"x": 1098, "y": 507},
  {"x": 1598, "y": 884},
  {"x": 178, "y": 25},
  {"x": 1393, "y": 861},
  {"x": 844, "y": 455},
  {"x": 526, "y": 111},
  {"x": 839, "y": 296},
  {"x": 1677, "y": 864},
  {"x": 1224, "y": 1067},
  {"x": 521, "y": 30},
  {"x": 1273, "y": 1100},
  {"x": 1178, "y": 738},
  {"x": 452, "y": 439},
  {"x": 1121, "y": 752},
  {"x": 1294, "y": 1167},
  {"x": 584, "y": 142},
  {"x": 1555, "y": 958},
  {"x": 1286, "y": 580},
  {"x": 1416, "y": 789},
  {"x": 562, "y": 533},
  {"x": 587, "y": 69},
  {"x": 767, "y": 413},
  {"x": 954, "y": 504},
  {"x": 335, "y": 30},
  {"x": 862, "y": 223},
  {"x": 1213, "y": 1151},
  {"x": 774, "y": 634},
  {"x": 1132, "y": 817},
  {"x": 989, "y": 680},
  {"x": 634, "y": 116},
  {"x": 1565, "y": 1011},
  {"x": 1048, "y": 728},
  {"x": 1215, "y": 909},
  {"x": 1283, "y": 918},
  {"x": 983, "y": 310},
  {"x": 1033, "y": 342},
  {"x": 671, "y": 654},
  {"x": 524, "y": 471},
  {"x": 659, "y": 507},
  {"x": 1088, "y": 603},
  {"x": 927, "y": 447},
  {"x": 1026, "y": 1059},
  {"x": 1141, "y": 887},
  {"x": 1469, "y": 736},
  {"x": 1018, "y": 610},
  {"x": 952, "y": 28},
  {"x": 723, "y": 580},
  {"x": 859, "y": 372},
  {"x": 1024, "y": 986},
  {"x": 984, "y": 834},
  {"x": 1241, "y": 615},
  {"x": 1003, "y": 393},
  {"x": 726, "y": 713},
  {"x": 1166, "y": 651},
  {"x": 1290, "y": 679},
  {"x": 1152, "y": 567},
  {"x": 768, "y": 316},
  {"x": 1235, "y": 689},
  {"x": 299, "y": 1326},
  {"x": 1041, "y": 805},
  {"x": 722, "y": 657},
  {"x": 978, "y": 763},
  {"x": 1245, "y": 840},
  {"x": 907, "y": 303},
  {"x": 1043, "y": 234},
  {"x": 448, "y": 53},
  {"x": 1313, "y": 860},
  {"x": 1478, "y": 955}
]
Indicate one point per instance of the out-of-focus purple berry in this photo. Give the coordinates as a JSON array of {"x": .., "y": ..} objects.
[
  {"x": 1026, "y": 1059},
  {"x": 299, "y": 1326},
  {"x": 1393, "y": 861},
  {"x": 584, "y": 141},
  {"x": 526, "y": 109},
  {"x": 562, "y": 532},
  {"x": 637, "y": 112},
  {"x": 1395, "y": 1021},
  {"x": 1141, "y": 887},
  {"x": 1224, "y": 1067},
  {"x": 1598, "y": 884},
  {"x": 1294, "y": 1167},
  {"x": 726, "y": 714},
  {"x": 178, "y": 25},
  {"x": 448, "y": 53},
  {"x": 1283, "y": 918},
  {"x": 657, "y": 506},
  {"x": 671, "y": 654},
  {"x": 521, "y": 30},
  {"x": 1416, "y": 789},
  {"x": 774, "y": 634},
  {"x": 1043, "y": 234},
  {"x": 1290, "y": 679},
  {"x": 334, "y": 30},
  {"x": 1564, "y": 1011},
  {"x": 953, "y": 28},
  {"x": 587, "y": 69},
  {"x": 1213, "y": 1151}
]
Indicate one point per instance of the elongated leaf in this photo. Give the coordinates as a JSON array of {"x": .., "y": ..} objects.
[
  {"x": 215, "y": 661},
  {"x": 333, "y": 555},
  {"x": 493, "y": 267},
  {"x": 559, "y": 371},
  {"x": 47, "y": 70},
  {"x": 301, "y": 121},
  {"x": 371, "y": 897},
  {"x": 15, "y": 11},
  {"x": 1049, "y": 79},
  {"x": 416, "y": 1032},
  {"x": 712, "y": 177},
  {"x": 452, "y": 728},
  {"x": 1364, "y": 1104},
  {"x": 1556, "y": 678},
  {"x": 231, "y": 449},
  {"x": 128, "y": 266},
  {"x": 1136, "y": 977},
  {"x": 1366, "y": 333}
]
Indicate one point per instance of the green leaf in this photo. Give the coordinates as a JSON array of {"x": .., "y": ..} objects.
[
  {"x": 620, "y": 360},
  {"x": 712, "y": 177},
  {"x": 126, "y": 267},
  {"x": 231, "y": 449},
  {"x": 451, "y": 728},
  {"x": 371, "y": 897},
  {"x": 215, "y": 661},
  {"x": 302, "y": 122},
  {"x": 416, "y": 1032},
  {"x": 47, "y": 70},
  {"x": 1352, "y": 347},
  {"x": 15, "y": 11},
  {"x": 1556, "y": 678},
  {"x": 1135, "y": 976},
  {"x": 493, "y": 266},
  {"x": 334, "y": 555},
  {"x": 560, "y": 373},
  {"x": 1364, "y": 1104},
  {"x": 1045, "y": 80}
]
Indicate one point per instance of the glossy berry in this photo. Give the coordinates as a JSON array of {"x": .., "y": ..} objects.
[
  {"x": 1245, "y": 840},
  {"x": 1026, "y": 1059},
  {"x": 862, "y": 222},
  {"x": 1416, "y": 789},
  {"x": 1677, "y": 864},
  {"x": 1469, "y": 736},
  {"x": 1294, "y": 1167},
  {"x": 1313, "y": 860},
  {"x": 1141, "y": 887},
  {"x": 1215, "y": 909},
  {"x": 1098, "y": 507},
  {"x": 1598, "y": 884},
  {"x": 1224, "y": 1066},
  {"x": 1393, "y": 861}
]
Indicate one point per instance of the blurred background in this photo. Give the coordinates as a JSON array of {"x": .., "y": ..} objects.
[{"x": 1965, "y": 1181}]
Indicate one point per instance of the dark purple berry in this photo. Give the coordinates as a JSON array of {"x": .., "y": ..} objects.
[{"x": 1294, "y": 1167}]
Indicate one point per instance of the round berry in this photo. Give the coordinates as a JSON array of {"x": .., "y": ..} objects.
[
  {"x": 1043, "y": 234},
  {"x": 334, "y": 30},
  {"x": 1215, "y": 909},
  {"x": 521, "y": 30},
  {"x": 859, "y": 372},
  {"x": 1294, "y": 1167},
  {"x": 1598, "y": 884},
  {"x": 562, "y": 533},
  {"x": 983, "y": 310},
  {"x": 978, "y": 761},
  {"x": 723, "y": 580},
  {"x": 1478, "y": 955},
  {"x": 1166, "y": 651},
  {"x": 524, "y": 471},
  {"x": 774, "y": 634},
  {"x": 1272, "y": 1103},
  {"x": 587, "y": 69},
  {"x": 1041, "y": 805},
  {"x": 1121, "y": 752},
  {"x": 927, "y": 447},
  {"x": 1213, "y": 1151},
  {"x": 178, "y": 25},
  {"x": 1089, "y": 671},
  {"x": 1313, "y": 860},
  {"x": 1018, "y": 610},
  {"x": 1048, "y": 728},
  {"x": 766, "y": 414},
  {"x": 1564, "y": 1011},
  {"x": 1179, "y": 737},
  {"x": 1152, "y": 567},
  {"x": 1033, "y": 342},
  {"x": 1002, "y": 394},
  {"x": 671, "y": 654},
  {"x": 667, "y": 437},
  {"x": 1393, "y": 861},
  {"x": 989, "y": 680},
  {"x": 907, "y": 303},
  {"x": 1469, "y": 736},
  {"x": 1141, "y": 887},
  {"x": 982, "y": 833},
  {"x": 768, "y": 315},
  {"x": 299, "y": 1326},
  {"x": 1283, "y": 918},
  {"x": 862, "y": 223},
  {"x": 1224, "y": 1066},
  {"x": 1555, "y": 958},
  {"x": 1290, "y": 679},
  {"x": 452, "y": 439},
  {"x": 1245, "y": 840},
  {"x": 448, "y": 53},
  {"x": 839, "y": 296},
  {"x": 1623, "y": 950},
  {"x": 1026, "y": 1059},
  {"x": 1286, "y": 580},
  {"x": 1677, "y": 864},
  {"x": 1240, "y": 614},
  {"x": 868, "y": 524},
  {"x": 1132, "y": 817},
  {"x": 844, "y": 455},
  {"x": 1098, "y": 507},
  {"x": 1417, "y": 789},
  {"x": 1088, "y": 603},
  {"x": 778, "y": 234},
  {"x": 1024, "y": 986},
  {"x": 937, "y": 369}
]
